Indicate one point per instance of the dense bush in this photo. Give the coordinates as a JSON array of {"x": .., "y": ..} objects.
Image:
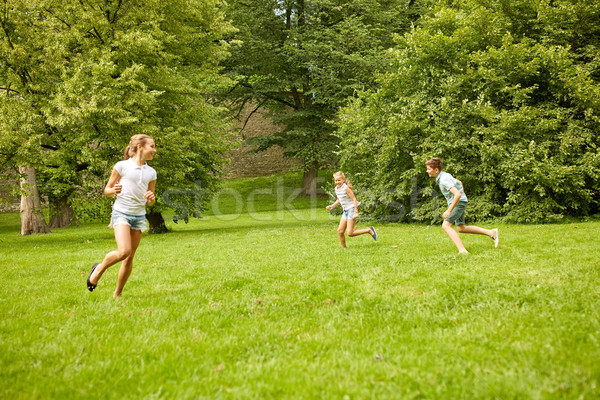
[{"x": 508, "y": 98}]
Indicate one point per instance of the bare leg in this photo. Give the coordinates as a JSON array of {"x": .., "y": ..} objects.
[
  {"x": 342, "y": 232},
  {"x": 123, "y": 239},
  {"x": 474, "y": 229},
  {"x": 352, "y": 232},
  {"x": 127, "y": 264},
  {"x": 447, "y": 226}
]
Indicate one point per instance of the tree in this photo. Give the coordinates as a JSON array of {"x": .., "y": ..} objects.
[
  {"x": 96, "y": 72},
  {"x": 506, "y": 93},
  {"x": 22, "y": 124},
  {"x": 302, "y": 59}
]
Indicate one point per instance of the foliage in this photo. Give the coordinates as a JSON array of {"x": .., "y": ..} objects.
[
  {"x": 507, "y": 96},
  {"x": 303, "y": 59},
  {"x": 85, "y": 76},
  {"x": 92, "y": 209}
]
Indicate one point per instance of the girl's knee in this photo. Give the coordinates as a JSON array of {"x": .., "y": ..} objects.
[
  {"x": 123, "y": 254},
  {"x": 460, "y": 228},
  {"x": 341, "y": 232}
]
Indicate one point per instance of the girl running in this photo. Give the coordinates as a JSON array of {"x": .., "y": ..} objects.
[
  {"x": 133, "y": 182},
  {"x": 345, "y": 197}
]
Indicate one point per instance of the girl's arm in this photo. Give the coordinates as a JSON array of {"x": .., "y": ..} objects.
[
  {"x": 334, "y": 205},
  {"x": 113, "y": 187},
  {"x": 351, "y": 195},
  {"x": 149, "y": 196}
]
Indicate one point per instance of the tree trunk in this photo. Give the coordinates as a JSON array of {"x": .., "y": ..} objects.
[
  {"x": 32, "y": 218},
  {"x": 61, "y": 213},
  {"x": 157, "y": 222},
  {"x": 309, "y": 180}
]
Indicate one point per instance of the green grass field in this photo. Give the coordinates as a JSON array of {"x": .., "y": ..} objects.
[{"x": 265, "y": 304}]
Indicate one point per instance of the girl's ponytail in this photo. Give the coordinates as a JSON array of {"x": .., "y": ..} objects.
[
  {"x": 126, "y": 155},
  {"x": 131, "y": 149}
]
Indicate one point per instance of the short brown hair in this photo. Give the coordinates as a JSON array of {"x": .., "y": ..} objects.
[{"x": 435, "y": 163}]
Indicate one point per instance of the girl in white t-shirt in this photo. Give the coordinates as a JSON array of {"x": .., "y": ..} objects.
[
  {"x": 133, "y": 182},
  {"x": 345, "y": 197}
]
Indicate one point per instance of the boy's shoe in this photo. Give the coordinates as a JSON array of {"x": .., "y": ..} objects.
[
  {"x": 465, "y": 252},
  {"x": 374, "y": 235},
  {"x": 495, "y": 237}
]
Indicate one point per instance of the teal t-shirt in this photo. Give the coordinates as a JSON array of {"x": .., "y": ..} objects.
[{"x": 446, "y": 182}]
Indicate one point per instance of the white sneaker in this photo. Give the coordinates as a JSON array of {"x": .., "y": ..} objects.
[
  {"x": 463, "y": 252},
  {"x": 495, "y": 237}
]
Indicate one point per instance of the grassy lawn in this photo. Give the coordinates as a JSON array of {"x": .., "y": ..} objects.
[{"x": 258, "y": 300}]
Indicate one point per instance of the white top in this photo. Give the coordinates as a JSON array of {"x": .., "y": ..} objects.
[
  {"x": 343, "y": 197},
  {"x": 134, "y": 181}
]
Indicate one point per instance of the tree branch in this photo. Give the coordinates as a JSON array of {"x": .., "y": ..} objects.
[
  {"x": 8, "y": 89},
  {"x": 250, "y": 116},
  {"x": 49, "y": 11},
  {"x": 96, "y": 34},
  {"x": 114, "y": 18}
]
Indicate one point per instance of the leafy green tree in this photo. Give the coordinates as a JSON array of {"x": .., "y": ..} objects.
[
  {"x": 302, "y": 59},
  {"x": 507, "y": 94},
  {"x": 22, "y": 124},
  {"x": 93, "y": 73}
]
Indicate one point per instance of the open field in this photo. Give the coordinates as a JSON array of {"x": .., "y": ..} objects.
[{"x": 263, "y": 303}]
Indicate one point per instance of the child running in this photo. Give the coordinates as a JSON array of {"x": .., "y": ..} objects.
[
  {"x": 457, "y": 203},
  {"x": 133, "y": 182},
  {"x": 345, "y": 197}
]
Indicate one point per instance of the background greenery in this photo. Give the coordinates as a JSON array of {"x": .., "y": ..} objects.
[
  {"x": 79, "y": 78},
  {"x": 302, "y": 60},
  {"x": 506, "y": 93},
  {"x": 270, "y": 306}
]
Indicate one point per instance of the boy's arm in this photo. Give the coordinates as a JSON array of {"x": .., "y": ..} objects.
[{"x": 455, "y": 201}]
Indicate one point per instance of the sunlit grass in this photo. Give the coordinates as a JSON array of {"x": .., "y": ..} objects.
[{"x": 267, "y": 305}]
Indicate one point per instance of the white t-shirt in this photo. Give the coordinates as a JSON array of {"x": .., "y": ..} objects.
[{"x": 134, "y": 181}]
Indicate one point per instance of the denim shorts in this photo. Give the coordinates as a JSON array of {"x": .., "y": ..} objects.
[
  {"x": 136, "y": 222},
  {"x": 457, "y": 216},
  {"x": 348, "y": 214}
]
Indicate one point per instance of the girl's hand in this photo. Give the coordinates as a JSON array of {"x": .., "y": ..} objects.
[
  {"x": 117, "y": 187},
  {"x": 355, "y": 216},
  {"x": 329, "y": 207},
  {"x": 446, "y": 214},
  {"x": 149, "y": 196}
]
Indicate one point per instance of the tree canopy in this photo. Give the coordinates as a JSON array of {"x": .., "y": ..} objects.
[
  {"x": 506, "y": 93},
  {"x": 303, "y": 59},
  {"x": 79, "y": 78}
]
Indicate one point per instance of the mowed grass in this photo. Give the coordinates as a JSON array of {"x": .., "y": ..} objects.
[{"x": 265, "y": 304}]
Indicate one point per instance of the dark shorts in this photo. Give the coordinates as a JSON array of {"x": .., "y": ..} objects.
[{"x": 457, "y": 216}]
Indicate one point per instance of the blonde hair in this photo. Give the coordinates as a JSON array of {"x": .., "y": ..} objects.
[
  {"x": 341, "y": 175},
  {"x": 131, "y": 149}
]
